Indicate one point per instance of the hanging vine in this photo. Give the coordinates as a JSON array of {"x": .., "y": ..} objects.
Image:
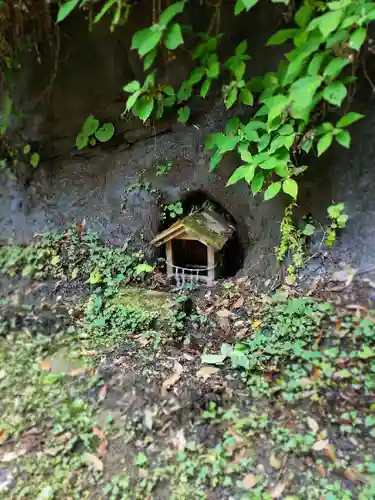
[{"x": 292, "y": 106}]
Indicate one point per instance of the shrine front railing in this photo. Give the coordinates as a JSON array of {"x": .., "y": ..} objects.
[{"x": 194, "y": 274}]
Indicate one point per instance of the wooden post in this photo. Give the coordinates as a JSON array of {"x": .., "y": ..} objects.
[
  {"x": 169, "y": 256},
  {"x": 210, "y": 264}
]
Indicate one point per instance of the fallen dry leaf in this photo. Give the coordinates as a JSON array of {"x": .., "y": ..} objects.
[
  {"x": 313, "y": 424},
  {"x": 75, "y": 372},
  {"x": 320, "y": 445},
  {"x": 2, "y": 436},
  {"x": 98, "y": 432},
  {"x": 94, "y": 461},
  {"x": 63, "y": 438},
  {"x": 330, "y": 452},
  {"x": 45, "y": 365},
  {"x": 364, "y": 478},
  {"x": 275, "y": 462},
  {"x": 223, "y": 313},
  {"x": 239, "y": 303},
  {"x": 278, "y": 490},
  {"x": 13, "y": 455},
  {"x": 179, "y": 440},
  {"x": 250, "y": 480},
  {"x": 171, "y": 381},
  {"x": 240, "y": 334},
  {"x": 206, "y": 371},
  {"x": 315, "y": 373},
  {"x": 102, "y": 448},
  {"x": 348, "y": 474},
  {"x": 102, "y": 393}
]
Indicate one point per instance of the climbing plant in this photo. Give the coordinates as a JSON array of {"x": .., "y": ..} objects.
[
  {"x": 291, "y": 105},
  {"x": 302, "y": 107}
]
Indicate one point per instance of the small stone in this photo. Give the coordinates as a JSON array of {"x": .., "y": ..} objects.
[{"x": 6, "y": 480}]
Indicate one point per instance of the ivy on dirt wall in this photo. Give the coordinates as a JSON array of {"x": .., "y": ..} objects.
[{"x": 292, "y": 109}]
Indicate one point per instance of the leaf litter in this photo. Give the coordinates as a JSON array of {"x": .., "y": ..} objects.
[{"x": 212, "y": 408}]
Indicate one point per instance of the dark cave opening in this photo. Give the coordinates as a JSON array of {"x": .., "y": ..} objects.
[{"x": 188, "y": 252}]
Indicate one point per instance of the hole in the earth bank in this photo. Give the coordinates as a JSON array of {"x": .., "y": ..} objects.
[{"x": 199, "y": 240}]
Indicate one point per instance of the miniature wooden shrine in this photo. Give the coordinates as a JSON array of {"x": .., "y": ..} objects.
[{"x": 194, "y": 245}]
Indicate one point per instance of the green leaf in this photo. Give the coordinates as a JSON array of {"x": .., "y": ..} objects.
[
  {"x": 250, "y": 133},
  {"x": 335, "y": 67},
  {"x": 196, "y": 75},
  {"x": 132, "y": 86},
  {"x": 335, "y": 93},
  {"x": 263, "y": 142},
  {"x": 241, "y": 5},
  {"x": 34, "y": 160},
  {"x": 303, "y": 90},
  {"x": 141, "y": 459},
  {"x": 213, "y": 70},
  {"x": 246, "y": 97},
  {"x": 232, "y": 126},
  {"x": 286, "y": 129},
  {"x": 105, "y": 132},
  {"x": 272, "y": 190},
  {"x": 65, "y": 9},
  {"x": 149, "y": 59},
  {"x": 231, "y": 98},
  {"x": 104, "y": 10},
  {"x": 55, "y": 260},
  {"x": 143, "y": 268},
  {"x": 27, "y": 270},
  {"x": 303, "y": 16},
  {"x": 226, "y": 143},
  {"x": 213, "y": 359},
  {"x": 357, "y": 38},
  {"x": 257, "y": 182},
  {"x": 241, "y": 48},
  {"x": 243, "y": 150},
  {"x": 170, "y": 12},
  {"x": 173, "y": 37},
  {"x": 205, "y": 88},
  {"x": 95, "y": 277},
  {"x": 244, "y": 172},
  {"x": 168, "y": 91},
  {"x": 348, "y": 119},
  {"x": 326, "y": 23},
  {"x": 215, "y": 160},
  {"x": 26, "y": 149},
  {"x": 256, "y": 125},
  {"x": 239, "y": 71},
  {"x": 151, "y": 38},
  {"x": 144, "y": 107},
  {"x": 290, "y": 187},
  {"x": 90, "y": 126},
  {"x": 343, "y": 138},
  {"x": 316, "y": 63},
  {"x": 183, "y": 114},
  {"x": 308, "y": 230},
  {"x": 132, "y": 100},
  {"x": 282, "y": 36},
  {"x": 185, "y": 92},
  {"x": 81, "y": 141},
  {"x": 276, "y": 106},
  {"x": 324, "y": 143}
]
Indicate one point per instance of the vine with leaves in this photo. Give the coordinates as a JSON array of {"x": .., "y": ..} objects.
[{"x": 292, "y": 106}]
